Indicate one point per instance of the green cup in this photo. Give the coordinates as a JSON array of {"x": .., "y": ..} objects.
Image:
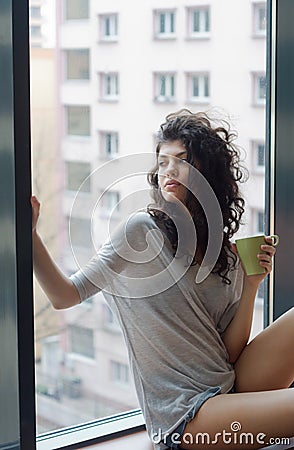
[{"x": 248, "y": 248}]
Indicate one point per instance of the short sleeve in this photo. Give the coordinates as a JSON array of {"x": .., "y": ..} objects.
[{"x": 126, "y": 245}]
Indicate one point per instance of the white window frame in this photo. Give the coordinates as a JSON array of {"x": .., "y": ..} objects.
[
  {"x": 109, "y": 84},
  {"x": 255, "y": 221},
  {"x": 257, "y": 99},
  {"x": 203, "y": 77},
  {"x": 110, "y": 321},
  {"x": 202, "y": 33},
  {"x": 113, "y": 27},
  {"x": 170, "y": 87},
  {"x": 257, "y": 168},
  {"x": 107, "y": 210},
  {"x": 169, "y": 23},
  {"x": 257, "y": 30},
  {"x": 112, "y": 138}
]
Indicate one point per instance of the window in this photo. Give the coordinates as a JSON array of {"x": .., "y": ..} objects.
[
  {"x": 35, "y": 31},
  {"x": 119, "y": 372},
  {"x": 77, "y": 120},
  {"x": 109, "y": 144},
  {"x": 110, "y": 201},
  {"x": 198, "y": 88},
  {"x": 198, "y": 22},
  {"x": 164, "y": 87},
  {"x": 108, "y": 27},
  {"x": 35, "y": 12},
  {"x": 109, "y": 86},
  {"x": 259, "y": 89},
  {"x": 81, "y": 341},
  {"x": 258, "y": 156},
  {"x": 258, "y": 222},
  {"x": 76, "y": 9},
  {"x": 164, "y": 24},
  {"x": 76, "y": 176},
  {"x": 259, "y": 19},
  {"x": 80, "y": 232},
  {"x": 77, "y": 64}
]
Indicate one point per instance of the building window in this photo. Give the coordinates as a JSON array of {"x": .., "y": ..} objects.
[
  {"x": 259, "y": 221},
  {"x": 198, "y": 88},
  {"x": 77, "y": 120},
  {"x": 258, "y": 156},
  {"x": 259, "y": 19},
  {"x": 164, "y": 87},
  {"x": 119, "y": 372},
  {"x": 109, "y": 144},
  {"x": 164, "y": 24},
  {"x": 199, "y": 22},
  {"x": 108, "y": 27},
  {"x": 35, "y": 31},
  {"x": 77, "y": 176},
  {"x": 109, "y": 86},
  {"x": 259, "y": 89},
  {"x": 260, "y": 291},
  {"x": 76, "y": 9},
  {"x": 110, "y": 202},
  {"x": 77, "y": 64},
  {"x": 35, "y": 12},
  {"x": 81, "y": 341},
  {"x": 80, "y": 232}
]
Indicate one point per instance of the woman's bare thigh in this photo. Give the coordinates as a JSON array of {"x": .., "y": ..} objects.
[
  {"x": 241, "y": 421},
  {"x": 267, "y": 362}
]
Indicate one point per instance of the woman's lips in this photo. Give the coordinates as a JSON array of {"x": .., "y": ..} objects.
[{"x": 172, "y": 185}]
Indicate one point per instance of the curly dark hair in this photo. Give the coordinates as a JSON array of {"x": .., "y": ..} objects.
[{"x": 209, "y": 148}]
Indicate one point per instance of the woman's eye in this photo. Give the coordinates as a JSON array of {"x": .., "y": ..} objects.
[{"x": 161, "y": 163}]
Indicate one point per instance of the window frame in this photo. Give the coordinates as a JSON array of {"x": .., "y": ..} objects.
[
  {"x": 256, "y": 99},
  {"x": 114, "y": 85},
  {"x": 257, "y": 32},
  {"x": 101, "y": 23},
  {"x": 189, "y": 79},
  {"x": 190, "y": 20},
  {"x": 158, "y": 98},
  {"x": 166, "y": 35}
]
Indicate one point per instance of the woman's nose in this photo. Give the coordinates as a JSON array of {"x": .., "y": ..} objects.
[{"x": 172, "y": 168}]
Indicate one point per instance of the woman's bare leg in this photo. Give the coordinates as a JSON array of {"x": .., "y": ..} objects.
[
  {"x": 261, "y": 416},
  {"x": 267, "y": 362}
]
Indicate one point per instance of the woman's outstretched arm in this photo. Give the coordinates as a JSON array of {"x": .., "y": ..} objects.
[
  {"x": 237, "y": 334},
  {"x": 59, "y": 289}
]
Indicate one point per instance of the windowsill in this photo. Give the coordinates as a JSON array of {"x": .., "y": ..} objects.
[
  {"x": 95, "y": 432},
  {"x": 258, "y": 105},
  {"x": 164, "y": 100},
  {"x": 258, "y": 36},
  {"x": 108, "y": 100},
  {"x": 108, "y": 40},
  {"x": 198, "y": 37},
  {"x": 164, "y": 37},
  {"x": 199, "y": 101}
]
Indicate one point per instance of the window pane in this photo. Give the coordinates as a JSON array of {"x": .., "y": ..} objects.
[
  {"x": 77, "y": 64},
  {"x": 82, "y": 341},
  {"x": 76, "y": 9},
  {"x": 78, "y": 120},
  {"x": 77, "y": 176}
]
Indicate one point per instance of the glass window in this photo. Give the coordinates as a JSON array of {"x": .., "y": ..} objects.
[
  {"x": 119, "y": 372},
  {"x": 77, "y": 174},
  {"x": 199, "y": 21},
  {"x": 110, "y": 201},
  {"x": 78, "y": 120},
  {"x": 35, "y": 12},
  {"x": 258, "y": 156},
  {"x": 108, "y": 26},
  {"x": 109, "y": 144},
  {"x": 81, "y": 341},
  {"x": 77, "y": 64},
  {"x": 76, "y": 9},
  {"x": 259, "y": 19},
  {"x": 164, "y": 87},
  {"x": 198, "y": 88},
  {"x": 35, "y": 31},
  {"x": 109, "y": 86},
  {"x": 259, "y": 89},
  {"x": 164, "y": 23}
]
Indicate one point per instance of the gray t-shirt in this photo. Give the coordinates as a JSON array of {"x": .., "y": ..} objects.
[{"x": 172, "y": 326}]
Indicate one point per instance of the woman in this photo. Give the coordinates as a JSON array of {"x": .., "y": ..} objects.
[{"x": 197, "y": 378}]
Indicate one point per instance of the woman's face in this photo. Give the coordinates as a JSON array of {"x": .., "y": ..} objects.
[{"x": 173, "y": 172}]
